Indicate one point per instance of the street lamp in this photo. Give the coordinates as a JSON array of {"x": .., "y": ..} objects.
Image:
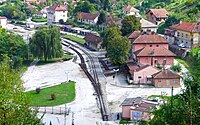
[
  {"x": 115, "y": 70},
  {"x": 139, "y": 77},
  {"x": 66, "y": 72}
]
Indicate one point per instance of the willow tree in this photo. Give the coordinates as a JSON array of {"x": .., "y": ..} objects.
[
  {"x": 46, "y": 43},
  {"x": 14, "y": 104}
]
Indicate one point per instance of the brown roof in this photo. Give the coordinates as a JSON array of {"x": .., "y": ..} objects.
[
  {"x": 166, "y": 74},
  {"x": 58, "y": 7},
  {"x": 130, "y": 8},
  {"x": 159, "y": 12},
  {"x": 187, "y": 26},
  {"x": 134, "y": 34},
  {"x": 110, "y": 20},
  {"x": 88, "y": 16},
  {"x": 154, "y": 51},
  {"x": 93, "y": 38},
  {"x": 31, "y": 7},
  {"x": 150, "y": 39}
]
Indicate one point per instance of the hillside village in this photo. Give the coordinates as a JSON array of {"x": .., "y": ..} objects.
[{"x": 100, "y": 61}]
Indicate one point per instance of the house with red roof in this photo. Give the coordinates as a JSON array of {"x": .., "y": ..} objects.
[
  {"x": 137, "y": 109},
  {"x": 157, "y": 16},
  {"x": 110, "y": 20},
  {"x": 93, "y": 41},
  {"x": 154, "y": 56},
  {"x": 141, "y": 40},
  {"x": 150, "y": 49},
  {"x": 87, "y": 18},
  {"x": 184, "y": 34},
  {"x": 56, "y": 13},
  {"x": 140, "y": 74},
  {"x": 166, "y": 78},
  {"x": 130, "y": 10}
]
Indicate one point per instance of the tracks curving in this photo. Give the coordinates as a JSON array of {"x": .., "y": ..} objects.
[{"x": 93, "y": 77}]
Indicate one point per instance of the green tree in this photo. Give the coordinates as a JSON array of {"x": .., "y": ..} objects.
[
  {"x": 102, "y": 18},
  {"x": 14, "y": 47},
  {"x": 46, "y": 43},
  {"x": 183, "y": 109},
  {"x": 109, "y": 33},
  {"x": 14, "y": 105},
  {"x": 86, "y": 7},
  {"x": 130, "y": 24},
  {"x": 171, "y": 20},
  {"x": 118, "y": 49}
]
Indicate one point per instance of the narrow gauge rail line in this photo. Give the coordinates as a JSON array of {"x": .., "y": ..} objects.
[{"x": 94, "y": 80}]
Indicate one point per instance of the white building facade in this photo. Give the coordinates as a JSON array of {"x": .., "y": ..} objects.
[
  {"x": 3, "y": 22},
  {"x": 56, "y": 13}
]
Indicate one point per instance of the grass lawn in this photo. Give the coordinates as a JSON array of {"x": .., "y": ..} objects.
[
  {"x": 65, "y": 58},
  {"x": 64, "y": 93},
  {"x": 74, "y": 38},
  {"x": 34, "y": 19},
  {"x": 181, "y": 61}
]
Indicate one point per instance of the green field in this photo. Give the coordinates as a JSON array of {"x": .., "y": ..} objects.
[
  {"x": 74, "y": 38},
  {"x": 34, "y": 19},
  {"x": 65, "y": 93}
]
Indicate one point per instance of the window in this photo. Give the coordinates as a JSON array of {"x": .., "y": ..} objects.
[
  {"x": 137, "y": 115},
  {"x": 186, "y": 35},
  {"x": 157, "y": 45},
  {"x": 164, "y": 61},
  {"x": 182, "y": 34},
  {"x": 159, "y": 80},
  {"x": 175, "y": 81},
  {"x": 155, "y": 61},
  {"x": 178, "y": 34},
  {"x": 150, "y": 45}
]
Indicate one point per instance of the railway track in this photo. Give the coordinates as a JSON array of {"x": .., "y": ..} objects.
[{"x": 93, "y": 77}]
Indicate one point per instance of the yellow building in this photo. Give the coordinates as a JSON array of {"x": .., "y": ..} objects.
[{"x": 184, "y": 34}]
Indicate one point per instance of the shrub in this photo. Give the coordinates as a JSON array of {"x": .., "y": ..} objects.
[
  {"x": 37, "y": 90},
  {"x": 53, "y": 96},
  {"x": 176, "y": 68}
]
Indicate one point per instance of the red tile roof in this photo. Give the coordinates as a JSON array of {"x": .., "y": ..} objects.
[
  {"x": 93, "y": 38},
  {"x": 135, "y": 34},
  {"x": 88, "y": 16},
  {"x": 166, "y": 74},
  {"x": 58, "y": 7},
  {"x": 154, "y": 51},
  {"x": 149, "y": 39},
  {"x": 187, "y": 26},
  {"x": 159, "y": 13},
  {"x": 130, "y": 8}
]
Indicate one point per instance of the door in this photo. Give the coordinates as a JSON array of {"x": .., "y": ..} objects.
[{"x": 167, "y": 83}]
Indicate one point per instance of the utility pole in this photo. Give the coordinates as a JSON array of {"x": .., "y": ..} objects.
[{"x": 171, "y": 103}]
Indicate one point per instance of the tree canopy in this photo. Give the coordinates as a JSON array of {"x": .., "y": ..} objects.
[
  {"x": 46, "y": 43},
  {"x": 86, "y": 7},
  {"x": 14, "y": 105},
  {"x": 118, "y": 49},
  {"x": 14, "y": 47},
  {"x": 130, "y": 24},
  {"x": 110, "y": 33},
  {"x": 102, "y": 18}
]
